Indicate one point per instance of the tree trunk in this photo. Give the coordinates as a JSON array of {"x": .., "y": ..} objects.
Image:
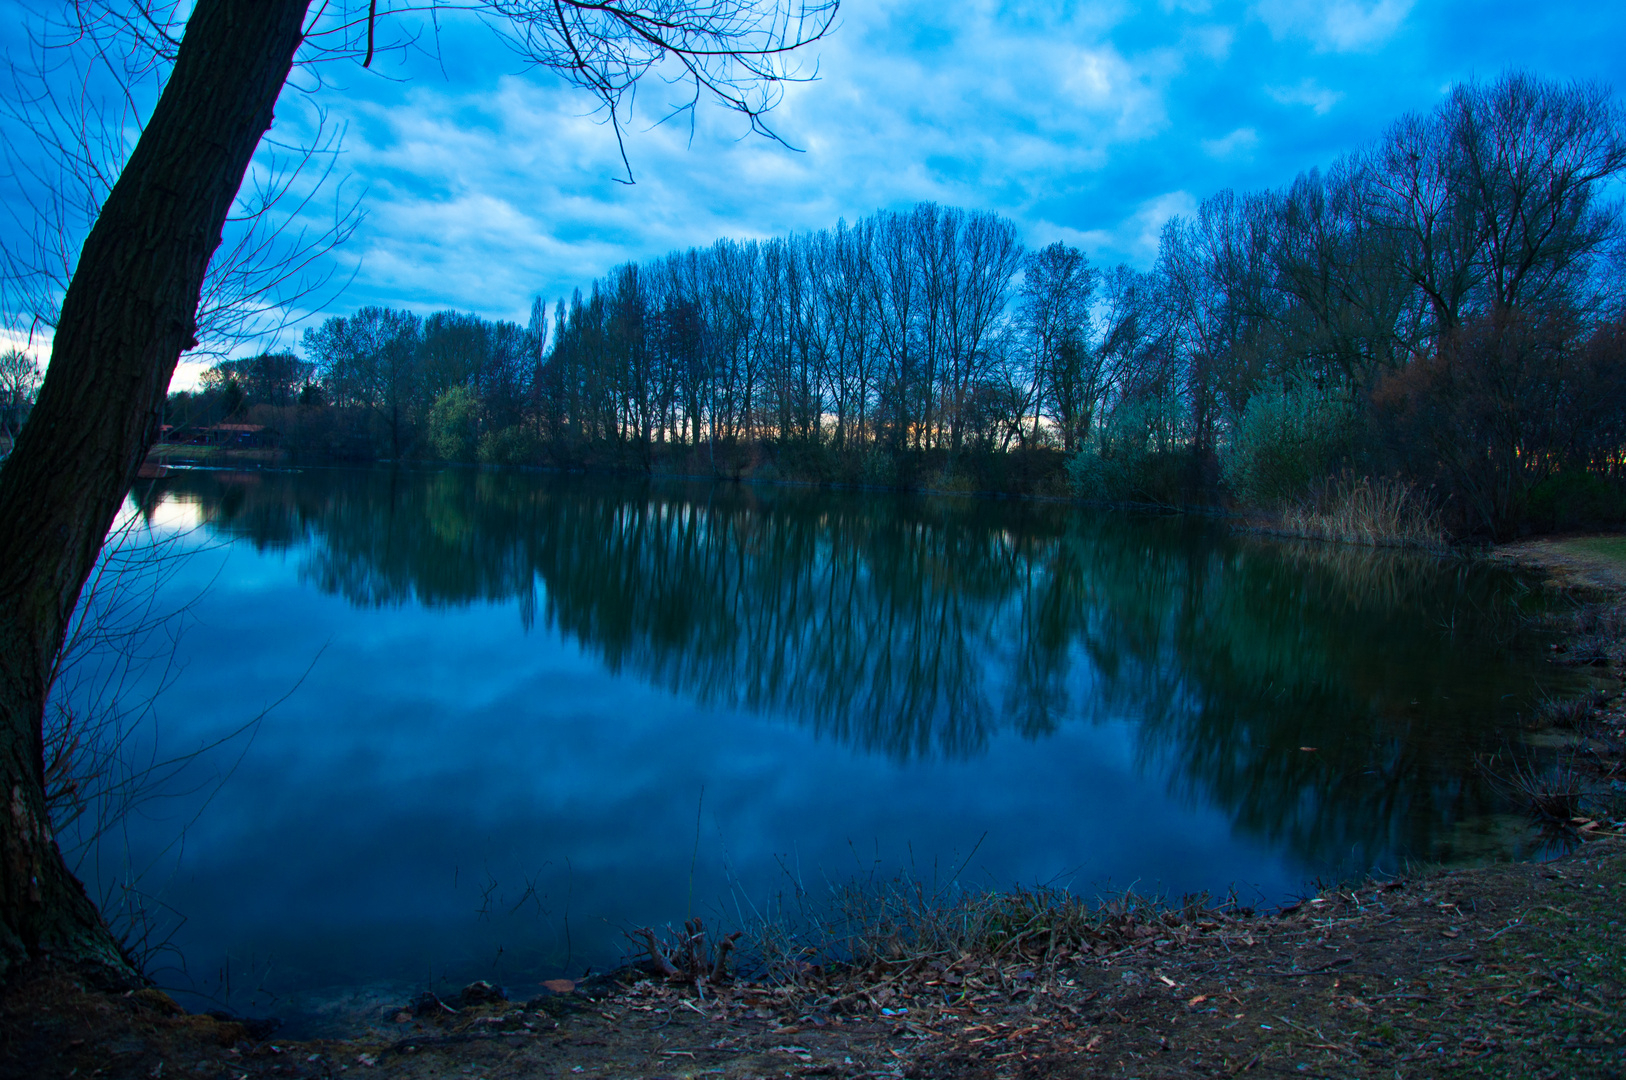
[{"x": 129, "y": 311}]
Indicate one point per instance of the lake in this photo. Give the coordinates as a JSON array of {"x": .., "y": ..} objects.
[{"x": 459, "y": 724}]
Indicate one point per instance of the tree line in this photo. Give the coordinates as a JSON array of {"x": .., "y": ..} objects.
[{"x": 1442, "y": 307}]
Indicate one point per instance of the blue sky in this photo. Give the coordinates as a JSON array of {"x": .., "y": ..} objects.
[{"x": 486, "y": 185}]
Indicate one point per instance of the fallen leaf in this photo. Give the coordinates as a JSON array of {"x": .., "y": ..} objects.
[
  {"x": 1198, "y": 1000},
  {"x": 1308, "y": 749},
  {"x": 1094, "y": 1045},
  {"x": 559, "y": 986}
]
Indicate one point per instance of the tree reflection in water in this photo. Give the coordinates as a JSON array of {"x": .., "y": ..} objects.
[{"x": 921, "y": 626}]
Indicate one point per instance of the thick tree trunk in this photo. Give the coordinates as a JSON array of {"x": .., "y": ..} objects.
[{"x": 128, "y": 314}]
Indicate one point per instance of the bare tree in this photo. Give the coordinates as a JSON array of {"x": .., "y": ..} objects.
[
  {"x": 987, "y": 255},
  {"x": 131, "y": 308},
  {"x": 19, "y": 379},
  {"x": 1496, "y": 200},
  {"x": 1054, "y": 301}
]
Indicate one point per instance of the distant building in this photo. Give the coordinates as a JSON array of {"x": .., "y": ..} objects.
[
  {"x": 242, "y": 435},
  {"x": 237, "y": 436}
]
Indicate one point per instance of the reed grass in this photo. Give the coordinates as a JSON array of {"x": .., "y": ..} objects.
[{"x": 1380, "y": 513}]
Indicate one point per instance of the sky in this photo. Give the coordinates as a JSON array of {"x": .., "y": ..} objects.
[{"x": 484, "y": 185}]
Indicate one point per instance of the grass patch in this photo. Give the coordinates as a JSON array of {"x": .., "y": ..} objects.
[{"x": 1612, "y": 548}]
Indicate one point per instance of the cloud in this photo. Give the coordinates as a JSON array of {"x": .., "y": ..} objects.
[
  {"x": 1335, "y": 25},
  {"x": 1239, "y": 143},
  {"x": 1307, "y": 92},
  {"x": 1133, "y": 239},
  {"x": 484, "y": 193},
  {"x": 37, "y": 345}
]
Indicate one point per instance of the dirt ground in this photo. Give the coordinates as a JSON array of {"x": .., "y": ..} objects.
[{"x": 1516, "y": 970}]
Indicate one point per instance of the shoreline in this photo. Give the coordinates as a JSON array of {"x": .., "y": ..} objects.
[
  {"x": 1517, "y": 969},
  {"x": 1511, "y": 970}
]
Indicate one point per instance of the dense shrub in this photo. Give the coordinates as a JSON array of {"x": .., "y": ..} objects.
[
  {"x": 1574, "y": 499},
  {"x": 1287, "y": 439},
  {"x": 518, "y": 444},
  {"x": 319, "y": 434},
  {"x": 1133, "y": 458},
  {"x": 452, "y": 421},
  {"x": 1514, "y": 402}
]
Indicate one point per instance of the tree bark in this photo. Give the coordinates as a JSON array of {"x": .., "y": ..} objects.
[{"x": 129, "y": 312}]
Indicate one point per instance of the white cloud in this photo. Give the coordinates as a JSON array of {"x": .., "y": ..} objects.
[
  {"x": 188, "y": 375},
  {"x": 1133, "y": 239},
  {"x": 1238, "y": 144},
  {"x": 1335, "y": 25},
  {"x": 37, "y": 345},
  {"x": 1307, "y": 92}
]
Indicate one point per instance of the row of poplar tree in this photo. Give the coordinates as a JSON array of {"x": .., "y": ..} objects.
[{"x": 1443, "y": 301}]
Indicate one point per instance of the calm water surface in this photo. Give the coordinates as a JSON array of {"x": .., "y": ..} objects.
[{"x": 516, "y": 714}]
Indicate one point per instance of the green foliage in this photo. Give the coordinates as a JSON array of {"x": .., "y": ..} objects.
[
  {"x": 1575, "y": 499},
  {"x": 1132, "y": 457},
  {"x": 1612, "y": 548},
  {"x": 877, "y": 468},
  {"x": 1288, "y": 438},
  {"x": 452, "y": 421},
  {"x": 515, "y": 445}
]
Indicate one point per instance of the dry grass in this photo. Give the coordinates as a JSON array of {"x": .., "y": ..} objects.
[
  {"x": 874, "y": 928},
  {"x": 1554, "y": 792},
  {"x": 1382, "y": 513},
  {"x": 1596, "y": 635}
]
